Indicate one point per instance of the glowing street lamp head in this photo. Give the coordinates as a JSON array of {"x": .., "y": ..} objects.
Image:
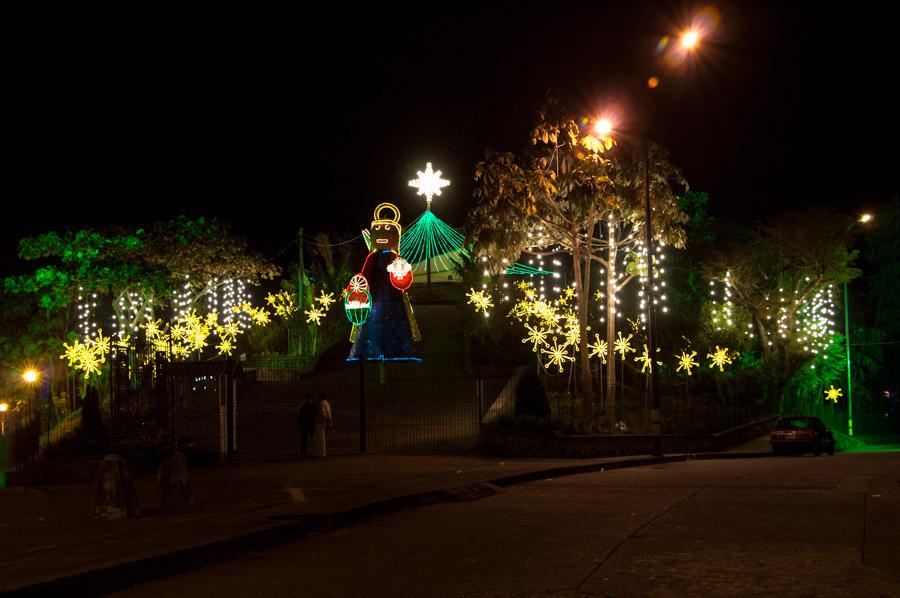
[
  {"x": 4, "y": 407},
  {"x": 866, "y": 217},
  {"x": 29, "y": 376},
  {"x": 603, "y": 127},
  {"x": 689, "y": 39},
  {"x": 429, "y": 183}
]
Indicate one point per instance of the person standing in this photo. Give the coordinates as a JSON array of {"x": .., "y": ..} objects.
[
  {"x": 323, "y": 422},
  {"x": 306, "y": 423}
]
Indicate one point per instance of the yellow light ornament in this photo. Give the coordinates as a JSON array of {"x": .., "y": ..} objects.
[
  {"x": 557, "y": 355},
  {"x": 622, "y": 346},
  {"x": 719, "y": 358},
  {"x": 536, "y": 336},
  {"x": 833, "y": 393},
  {"x": 686, "y": 362},
  {"x": 598, "y": 348}
]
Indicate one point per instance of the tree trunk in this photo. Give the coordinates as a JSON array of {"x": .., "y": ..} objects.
[
  {"x": 582, "y": 289},
  {"x": 611, "y": 406}
]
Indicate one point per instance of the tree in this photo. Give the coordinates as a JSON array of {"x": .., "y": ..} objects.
[
  {"x": 781, "y": 274},
  {"x": 136, "y": 269},
  {"x": 571, "y": 193}
]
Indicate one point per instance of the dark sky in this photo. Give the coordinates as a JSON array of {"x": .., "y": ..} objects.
[{"x": 276, "y": 120}]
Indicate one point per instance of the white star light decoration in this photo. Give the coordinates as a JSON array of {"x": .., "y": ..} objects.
[{"x": 429, "y": 183}]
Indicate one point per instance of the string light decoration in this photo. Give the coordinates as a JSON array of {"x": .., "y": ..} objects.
[
  {"x": 390, "y": 327},
  {"x": 686, "y": 362},
  {"x": 622, "y": 346},
  {"x": 85, "y": 308},
  {"x": 720, "y": 358},
  {"x": 644, "y": 358},
  {"x": 89, "y": 356},
  {"x": 557, "y": 355},
  {"x": 833, "y": 393},
  {"x": 481, "y": 300},
  {"x": 428, "y": 183},
  {"x": 598, "y": 348}
]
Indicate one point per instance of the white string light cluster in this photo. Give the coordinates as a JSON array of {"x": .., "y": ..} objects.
[{"x": 86, "y": 307}]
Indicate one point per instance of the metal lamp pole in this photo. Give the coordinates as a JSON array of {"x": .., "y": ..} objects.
[{"x": 847, "y": 347}]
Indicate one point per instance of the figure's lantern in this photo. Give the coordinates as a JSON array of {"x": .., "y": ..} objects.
[
  {"x": 357, "y": 300},
  {"x": 401, "y": 274}
]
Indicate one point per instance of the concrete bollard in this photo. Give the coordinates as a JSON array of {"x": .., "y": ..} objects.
[
  {"x": 174, "y": 481},
  {"x": 114, "y": 494}
]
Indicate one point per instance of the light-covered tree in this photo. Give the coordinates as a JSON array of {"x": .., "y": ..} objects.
[{"x": 577, "y": 193}]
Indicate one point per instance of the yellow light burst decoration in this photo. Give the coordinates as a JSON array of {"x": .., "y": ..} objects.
[
  {"x": 598, "y": 348},
  {"x": 686, "y": 362},
  {"x": 719, "y": 358},
  {"x": 622, "y": 346},
  {"x": 314, "y": 315},
  {"x": 833, "y": 393},
  {"x": 152, "y": 328},
  {"x": 557, "y": 355},
  {"x": 536, "y": 336},
  {"x": 325, "y": 299},
  {"x": 282, "y": 303},
  {"x": 480, "y": 300},
  {"x": 598, "y": 295},
  {"x": 225, "y": 347},
  {"x": 645, "y": 359},
  {"x": 87, "y": 357}
]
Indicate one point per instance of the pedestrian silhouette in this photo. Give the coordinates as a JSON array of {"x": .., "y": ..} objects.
[
  {"x": 323, "y": 422},
  {"x": 306, "y": 423}
]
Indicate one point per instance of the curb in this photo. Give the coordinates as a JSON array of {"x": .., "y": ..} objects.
[{"x": 286, "y": 529}]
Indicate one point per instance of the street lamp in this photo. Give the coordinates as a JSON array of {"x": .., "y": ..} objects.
[
  {"x": 863, "y": 219},
  {"x": 4, "y": 407}
]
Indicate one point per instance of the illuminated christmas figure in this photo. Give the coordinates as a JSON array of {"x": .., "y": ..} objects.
[{"x": 389, "y": 327}]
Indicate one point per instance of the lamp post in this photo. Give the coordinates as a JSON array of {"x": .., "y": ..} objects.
[
  {"x": 4, "y": 407},
  {"x": 863, "y": 219}
]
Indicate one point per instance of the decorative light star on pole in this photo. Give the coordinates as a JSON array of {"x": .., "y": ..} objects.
[
  {"x": 833, "y": 393},
  {"x": 428, "y": 183}
]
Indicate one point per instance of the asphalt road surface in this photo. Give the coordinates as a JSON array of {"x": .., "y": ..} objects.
[{"x": 786, "y": 526}]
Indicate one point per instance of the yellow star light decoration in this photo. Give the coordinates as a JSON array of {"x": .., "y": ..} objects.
[
  {"x": 645, "y": 359},
  {"x": 282, "y": 303},
  {"x": 686, "y": 362},
  {"x": 598, "y": 295},
  {"x": 152, "y": 328},
  {"x": 536, "y": 336},
  {"x": 325, "y": 299},
  {"x": 622, "y": 346},
  {"x": 557, "y": 355},
  {"x": 719, "y": 358},
  {"x": 598, "y": 348},
  {"x": 480, "y": 300},
  {"x": 530, "y": 293},
  {"x": 314, "y": 315},
  {"x": 87, "y": 357},
  {"x": 833, "y": 393},
  {"x": 225, "y": 347}
]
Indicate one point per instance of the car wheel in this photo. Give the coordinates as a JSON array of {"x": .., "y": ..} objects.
[{"x": 817, "y": 450}]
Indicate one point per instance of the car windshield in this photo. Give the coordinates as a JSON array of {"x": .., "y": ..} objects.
[{"x": 794, "y": 422}]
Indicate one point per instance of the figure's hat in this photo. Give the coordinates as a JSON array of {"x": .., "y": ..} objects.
[{"x": 394, "y": 221}]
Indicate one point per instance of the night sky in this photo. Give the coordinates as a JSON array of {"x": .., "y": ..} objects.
[{"x": 277, "y": 120}]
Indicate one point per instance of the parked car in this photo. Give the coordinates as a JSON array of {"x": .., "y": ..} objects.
[{"x": 801, "y": 434}]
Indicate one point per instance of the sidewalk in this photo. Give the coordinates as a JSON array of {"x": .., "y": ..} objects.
[{"x": 51, "y": 543}]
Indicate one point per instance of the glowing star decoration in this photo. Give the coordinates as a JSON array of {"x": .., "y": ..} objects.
[
  {"x": 152, "y": 328},
  {"x": 314, "y": 315},
  {"x": 536, "y": 336},
  {"x": 686, "y": 362},
  {"x": 429, "y": 183},
  {"x": 557, "y": 355},
  {"x": 645, "y": 359},
  {"x": 719, "y": 358},
  {"x": 598, "y": 295},
  {"x": 325, "y": 299},
  {"x": 622, "y": 347},
  {"x": 282, "y": 303},
  {"x": 480, "y": 300},
  {"x": 225, "y": 347},
  {"x": 833, "y": 393},
  {"x": 598, "y": 348}
]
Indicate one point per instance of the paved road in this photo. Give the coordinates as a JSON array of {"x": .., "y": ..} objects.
[{"x": 789, "y": 526}]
